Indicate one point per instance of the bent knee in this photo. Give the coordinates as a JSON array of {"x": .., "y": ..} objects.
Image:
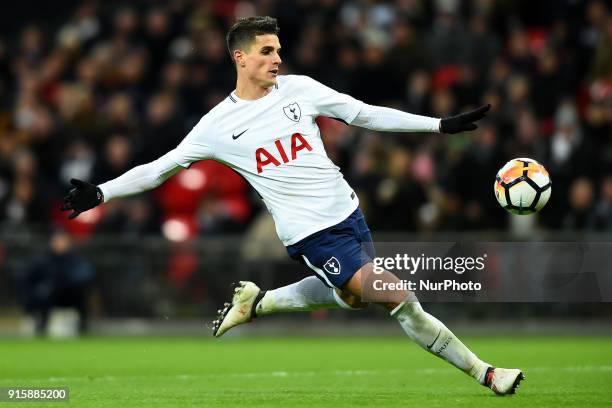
[{"x": 352, "y": 301}]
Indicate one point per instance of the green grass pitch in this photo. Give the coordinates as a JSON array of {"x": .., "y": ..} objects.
[{"x": 303, "y": 372}]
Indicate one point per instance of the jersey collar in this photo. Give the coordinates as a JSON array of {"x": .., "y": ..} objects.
[{"x": 234, "y": 98}]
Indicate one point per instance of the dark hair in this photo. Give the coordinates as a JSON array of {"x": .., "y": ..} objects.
[{"x": 244, "y": 31}]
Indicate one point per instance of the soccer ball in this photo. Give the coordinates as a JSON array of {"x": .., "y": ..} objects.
[{"x": 522, "y": 186}]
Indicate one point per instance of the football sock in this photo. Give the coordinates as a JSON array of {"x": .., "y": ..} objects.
[
  {"x": 306, "y": 295},
  {"x": 432, "y": 335}
]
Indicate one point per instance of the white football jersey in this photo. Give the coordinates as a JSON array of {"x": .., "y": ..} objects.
[{"x": 275, "y": 144}]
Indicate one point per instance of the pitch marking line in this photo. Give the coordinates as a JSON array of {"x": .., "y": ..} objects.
[{"x": 287, "y": 374}]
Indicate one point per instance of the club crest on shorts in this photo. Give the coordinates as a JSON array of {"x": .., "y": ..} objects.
[
  {"x": 332, "y": 266},
  {"x": 293, "y": 111}
]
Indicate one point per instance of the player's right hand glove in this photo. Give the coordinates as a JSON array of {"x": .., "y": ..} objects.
[
  {"x": 464, "y": 121},
  {"x": 84, "y": 196}
]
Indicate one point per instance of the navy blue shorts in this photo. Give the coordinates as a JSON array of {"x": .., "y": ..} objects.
[{"x": 337, "y": 252}]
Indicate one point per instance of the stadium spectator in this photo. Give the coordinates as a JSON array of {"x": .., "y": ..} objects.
[
  {"x": 581, "y": 204},
  {"x": 601, "y": 217},
  {"x": 398, "y": 196},
  {"x": 58, "y": 278}
]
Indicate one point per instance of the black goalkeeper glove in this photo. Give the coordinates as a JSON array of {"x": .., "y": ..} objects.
[
  {"x": 84, "y": 196},
  {"x": 464, "y": 121}
]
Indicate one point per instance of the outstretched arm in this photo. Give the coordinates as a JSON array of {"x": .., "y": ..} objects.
[
  {"x": 393, "y": 120},
  {"x": 85, "y": 196}
]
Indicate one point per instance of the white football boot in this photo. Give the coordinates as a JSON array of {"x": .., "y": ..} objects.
[
  {"x": 503, "y": 380},
  {"x": 241, "y": 310}
]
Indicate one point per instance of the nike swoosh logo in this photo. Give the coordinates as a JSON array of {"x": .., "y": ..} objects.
[
  {"x": 238, "y": 135},
  {"x": 429, "y": 346}
]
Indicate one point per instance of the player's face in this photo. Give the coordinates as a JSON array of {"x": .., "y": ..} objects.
[{"x": 262, "y": 60}]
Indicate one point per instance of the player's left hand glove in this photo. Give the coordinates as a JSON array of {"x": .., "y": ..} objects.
[
  {"x": 464, "y": 121},
  {"x": 84, "y": 196}
]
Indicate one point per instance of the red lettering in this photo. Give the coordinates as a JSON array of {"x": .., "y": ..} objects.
[
  {"x": 269, "y": 159},
  {"x": 295, "y": 147},
  {"x": 263, "y": 157},
  {"x": 281, "y": 150}
]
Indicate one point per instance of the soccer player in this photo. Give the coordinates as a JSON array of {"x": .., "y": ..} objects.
[{"x": 265, "y": 130}]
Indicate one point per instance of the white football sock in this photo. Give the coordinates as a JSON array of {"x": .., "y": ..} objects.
[
  {"x": 431, "y": 334},
  {"x": 306, "y": 295}
]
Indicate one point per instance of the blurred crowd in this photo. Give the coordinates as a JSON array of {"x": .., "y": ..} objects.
[{"x": 112, "y": 85}]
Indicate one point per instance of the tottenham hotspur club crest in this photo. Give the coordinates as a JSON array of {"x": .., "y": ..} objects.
[
  {"x": 293, "y": 112},
  {"x": 332, "y": 266}
]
